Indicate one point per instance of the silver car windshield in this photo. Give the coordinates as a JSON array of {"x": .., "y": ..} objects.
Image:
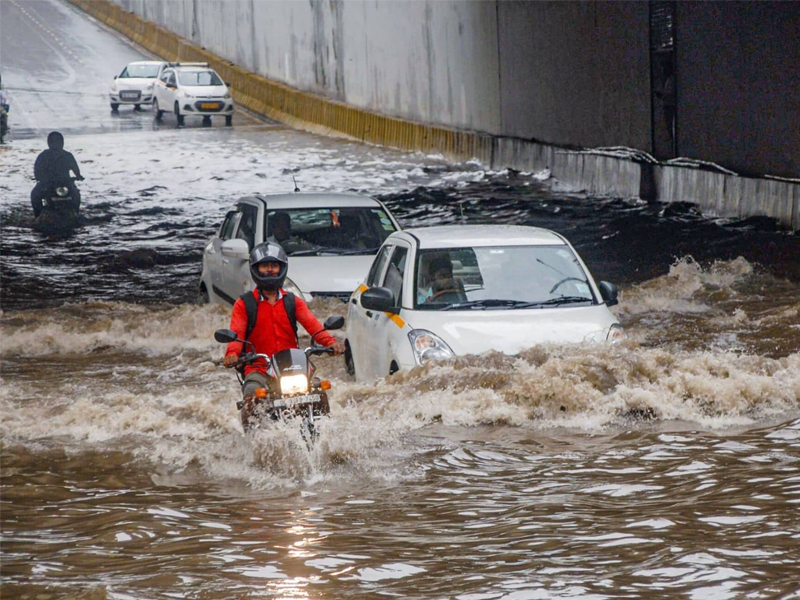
[
  {"x": 329, "y": 231},
  {"x": 500, "y": 278},
  {"x": 198, "y": 78},
  {"x": 140, "y": 71}
]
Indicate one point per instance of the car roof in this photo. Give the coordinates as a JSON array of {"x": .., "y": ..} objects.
[
  {"x": 455, "y": 236},
  {"x": 317, "y": 200},
  {"x": 179, "y": 68},
  {"x": 147, "y": 62}
]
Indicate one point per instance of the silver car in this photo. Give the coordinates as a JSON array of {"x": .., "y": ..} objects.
[{"x": 331, "y": 240}]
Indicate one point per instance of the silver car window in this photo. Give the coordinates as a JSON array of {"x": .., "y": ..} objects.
[
  {"x": 247, "y": 224},
  {"x": 229, "y": 225}
]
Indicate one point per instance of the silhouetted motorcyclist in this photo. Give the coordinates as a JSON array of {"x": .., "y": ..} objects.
[
  {"x": 52, "y": 169},
  {"x": 4, "y": 108}
]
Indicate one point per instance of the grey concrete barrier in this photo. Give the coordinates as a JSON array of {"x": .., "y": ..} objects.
[{"x": 715, "y": 193}]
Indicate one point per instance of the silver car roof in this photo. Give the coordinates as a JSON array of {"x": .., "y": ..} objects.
[{"x": 318, "y": 200}]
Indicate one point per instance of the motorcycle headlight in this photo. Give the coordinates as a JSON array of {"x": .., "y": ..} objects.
[
  {"x": 616, "y": 334},
  {"x": 294, "y": 384},
  {"x": 428, "y": 346},
  {"x": 62, "y": 191}
]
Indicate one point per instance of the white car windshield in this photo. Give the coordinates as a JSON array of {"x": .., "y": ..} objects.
[
  {"x": 329, "y": 231},
  {"x": 500, "y": 278},
  {"x": 197, "y": 78},
  {"x": 140, "y": 71}
]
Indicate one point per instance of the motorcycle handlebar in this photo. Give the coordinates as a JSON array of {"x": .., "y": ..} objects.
[
  {"x": 252, "y": 356},
  {"x": 319, "y": 350},
  {"x": 248, "y": 358}
]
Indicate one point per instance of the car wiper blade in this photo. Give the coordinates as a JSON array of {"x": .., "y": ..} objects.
[
  {"x": 312, "y": 252},
  {"x": 554, "y": 302},
  {"x": 483, "y": 304}
]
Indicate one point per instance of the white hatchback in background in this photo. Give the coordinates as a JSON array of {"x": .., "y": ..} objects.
[
  {"x": 332, "y": 241},
  {"x": 440, "y": 292},
  {"x": 187, "y": 89},
  {"x": 134, "y": 85}
]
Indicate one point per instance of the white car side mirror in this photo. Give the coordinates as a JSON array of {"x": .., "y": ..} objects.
[{"x": 236, "y": 248}]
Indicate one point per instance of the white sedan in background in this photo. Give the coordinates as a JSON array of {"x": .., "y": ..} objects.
[
  {"x": 134, "y": 84},
  {"x": 187, "y": 89},
  {"x": 438, "y": 292},
  {"x": 330, "y": 238}
]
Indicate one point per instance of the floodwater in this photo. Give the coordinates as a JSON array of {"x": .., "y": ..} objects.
[{"x": 667, "y": 466}]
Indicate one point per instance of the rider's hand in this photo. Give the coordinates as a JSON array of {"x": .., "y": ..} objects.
[
  {"x": 80, "y": 178},
  {"x": 338, "y": 347},
  {"x": 230, "y": 360}
]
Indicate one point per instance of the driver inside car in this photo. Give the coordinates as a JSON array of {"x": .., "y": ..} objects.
[
  {"x": 444, "y": 287},
  {"x": 280, "y": 232}
]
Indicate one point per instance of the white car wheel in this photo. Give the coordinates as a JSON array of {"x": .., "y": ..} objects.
[{"x": 159, "y": 113}]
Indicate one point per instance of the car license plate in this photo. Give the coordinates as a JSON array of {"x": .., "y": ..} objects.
[
  {"x": 290, "y": 402},
  {"x": 209, "y": 105},
  {"x": 129, "y": 94}
]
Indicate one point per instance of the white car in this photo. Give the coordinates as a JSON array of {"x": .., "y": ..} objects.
[
  {"x": 134, "y": 84},
  {"x": 438, "y": 292},
  {"x": 186, "y": 89},
  {"x": 330, "y": 238}
]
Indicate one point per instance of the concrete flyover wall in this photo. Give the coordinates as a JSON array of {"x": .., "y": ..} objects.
[
  {"x": 433, "y": 77},
  {"x": 432, "y": 61},
  {"x": 570, "y": 69},
  {"x": 738, "y": 85}
]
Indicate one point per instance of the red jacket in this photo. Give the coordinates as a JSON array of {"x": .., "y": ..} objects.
[{"x": 273, "y": 331}]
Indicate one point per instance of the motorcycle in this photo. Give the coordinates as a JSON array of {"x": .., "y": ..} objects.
[
  {"x": 60, "y": 209},
  {"x": 292, "y": 390}
]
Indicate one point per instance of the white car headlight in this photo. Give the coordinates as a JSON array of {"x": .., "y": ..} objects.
[
  {"x": 616, "y": 334},
  {"x": 227, "y": 95},
  {"x": 186, "y": 95},
  {"x": 294, "y": 384},
  {"x": 428, "y": 346}
]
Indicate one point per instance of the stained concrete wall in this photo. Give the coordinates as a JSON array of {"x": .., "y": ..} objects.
[
  {"x": 433, "y": 61},
  {"x": 570, "y": 70},
  {"x": 431, "y": 76},
  {"x": 738, "y": 84}
]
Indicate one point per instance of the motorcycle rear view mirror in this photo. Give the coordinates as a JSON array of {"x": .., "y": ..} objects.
[
  {"x": 334, "y": 322},
  {"x": 226, "y": 336}
]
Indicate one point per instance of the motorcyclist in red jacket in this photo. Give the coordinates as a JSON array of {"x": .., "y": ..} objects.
[{"x": 273, "y": 330}]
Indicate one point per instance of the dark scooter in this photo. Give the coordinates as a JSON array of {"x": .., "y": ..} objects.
[
  {"x": 60, "y": 209},
  {"x": 292, "y": 390},
  {"x": 3, "y": 121}
]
